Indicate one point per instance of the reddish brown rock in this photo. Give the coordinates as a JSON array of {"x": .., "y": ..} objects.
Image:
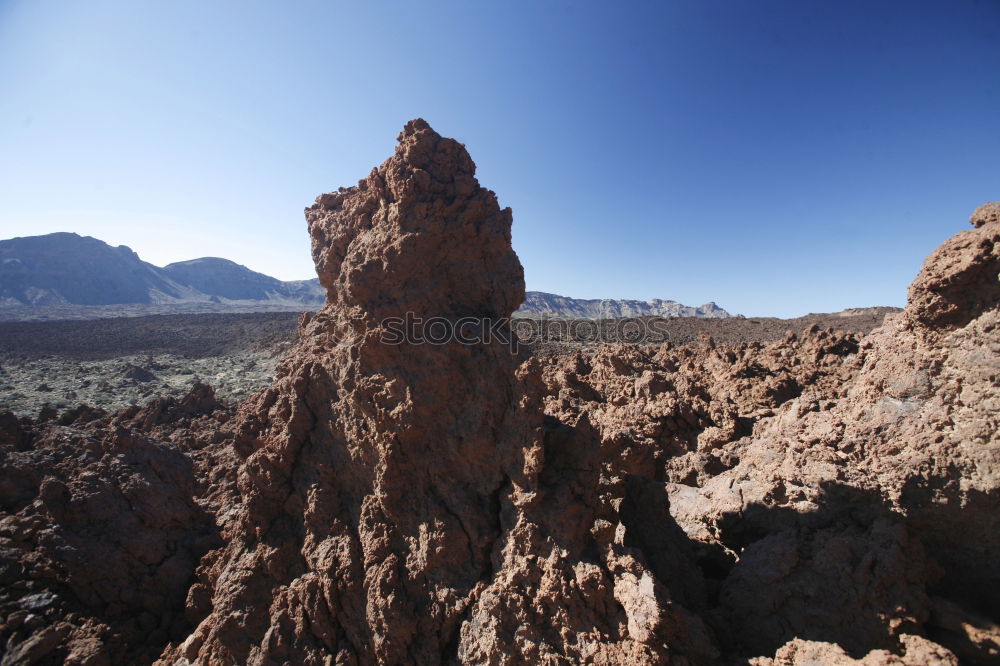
[
  {"x": 831, "y": 485},
  {"x": 958, "y": 281},
  {"x": 988, "y": 213},
  {"x": 665, "y": 412},
  {"x": 911, "y": 438},
  {"x": 99, "y": 539},
  {"x": 915, "y": 651},
  {"x": 827, "y": 498},
  {"x": 403, "y": 502},
  {"x": 407, "y": 503}
]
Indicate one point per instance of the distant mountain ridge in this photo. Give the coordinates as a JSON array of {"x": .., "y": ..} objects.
[
  {"x": 225, "y": 279},
  {"x": 69, "y": 269},
  {"x": 66, "y": 269},
  {"x": 541, "y": 303}
]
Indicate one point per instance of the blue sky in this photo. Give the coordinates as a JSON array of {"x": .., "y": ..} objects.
[{"x": 776, "y": 157}]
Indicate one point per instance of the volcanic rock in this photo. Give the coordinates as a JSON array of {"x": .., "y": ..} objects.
[
  {"x": 410, "y": 491},
  {"x": 137, "y": 373},
  {"x": 905, "y": 453},
  {"x": 832, "y": 485},
  {"x": 99, "y": 538},
  {"x": 988, "y": 213},
  {"x": 406, "y": 502},
  {"x": 958, "y": 281}
]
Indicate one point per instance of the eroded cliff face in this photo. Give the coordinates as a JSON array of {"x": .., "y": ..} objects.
[{"x": 828, "y": 498}]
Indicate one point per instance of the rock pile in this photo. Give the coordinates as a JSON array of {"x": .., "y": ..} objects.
[
  {"x": 838, "y": 491},
  {"x": 99, "y": 536}
]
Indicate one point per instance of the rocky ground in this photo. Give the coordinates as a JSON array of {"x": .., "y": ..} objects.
[
  {"x": 29, "y": 313},
  {"x": 827, "y": 497},
  {"x": 116, "y": 362},
  {"x": 193, "y": 336},
  {"x": 28, "y": 386},
  {"x": 549, "y": 337}
]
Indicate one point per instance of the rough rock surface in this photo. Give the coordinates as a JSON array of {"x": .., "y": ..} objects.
[
  {"x": 988, "y": 213},
  {"x": 841, "y": 490},
  {"x": 828, "y": 498},
  {"x": 408, "y": 503},
  {"x": 906, "y": 455},
  {"x": 99, "y": 539}
]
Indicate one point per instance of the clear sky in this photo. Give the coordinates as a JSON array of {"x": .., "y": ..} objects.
[{"x": 776, "y": 157}]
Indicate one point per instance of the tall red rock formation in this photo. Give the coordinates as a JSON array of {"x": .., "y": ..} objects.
[
  {"x": 958, "y": 281},
  {"x": 371, "y": 496},
  {"x": 396, "y": 505}
]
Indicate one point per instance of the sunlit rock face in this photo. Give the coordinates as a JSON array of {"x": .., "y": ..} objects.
[
  {"x": 408, "y": 503},
  {"x": 372, "y": 496}
]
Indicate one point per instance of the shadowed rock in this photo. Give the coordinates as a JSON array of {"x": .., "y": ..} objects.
[{"x": 827, "y": 498}]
